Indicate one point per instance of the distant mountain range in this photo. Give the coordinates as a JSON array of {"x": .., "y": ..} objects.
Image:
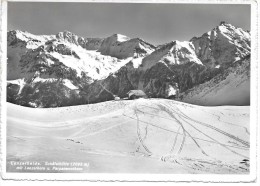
[{"x": 65, "y": 69}]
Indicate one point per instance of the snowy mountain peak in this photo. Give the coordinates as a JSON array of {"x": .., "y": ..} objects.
[
  {"x": 68, "y": 36},
  {"x": 222, "y": 45},
  {"x": 24, "y": 35},
  {"x": 174, "y": 52},
  {"x": 119, "y": 37},
  {"x": 123, "y": 47},
  {"x": 87, "y": 43},
  {"x": 227, "y": 25},
  {"x": 234, "y": 31},
  {"x": 25, "y": 39},
  {"x": 223, "y": 23}
]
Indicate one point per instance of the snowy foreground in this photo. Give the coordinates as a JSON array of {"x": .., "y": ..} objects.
[{"x": 137, "y": 136}]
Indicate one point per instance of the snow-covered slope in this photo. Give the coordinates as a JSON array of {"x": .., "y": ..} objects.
[
  {"x": 231, "y": 87},
  {"x": 138, "y": 136}
]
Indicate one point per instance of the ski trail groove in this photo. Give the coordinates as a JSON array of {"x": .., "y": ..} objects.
[
  {"x": 163, "y": 107},
  {"x": 168, "y": 130},
  {"x": 175, "y": 141},
  {"x": 181, "y": 114},
  {"x": 214, "y": 128},
  {"x": 139, "y": 135},
  {"x": 214, "y": 140}
]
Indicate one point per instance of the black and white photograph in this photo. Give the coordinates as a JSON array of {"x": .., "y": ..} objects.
[{"x": 136, "y": 88}]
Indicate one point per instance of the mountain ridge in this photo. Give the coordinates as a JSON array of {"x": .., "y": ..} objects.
[{"x": 66, "y": 69}]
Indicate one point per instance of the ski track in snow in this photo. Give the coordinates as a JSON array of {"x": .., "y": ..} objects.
[{"x": 153, "y": 134}]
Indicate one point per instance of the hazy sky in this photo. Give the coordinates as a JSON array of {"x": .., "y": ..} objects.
[{"x": 155, "y": 23}]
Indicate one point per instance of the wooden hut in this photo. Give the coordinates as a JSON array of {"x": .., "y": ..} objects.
[{"x": 134, "y": 94}]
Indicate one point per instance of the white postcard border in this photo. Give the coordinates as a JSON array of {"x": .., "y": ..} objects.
[{"x": 254, "y": 129}]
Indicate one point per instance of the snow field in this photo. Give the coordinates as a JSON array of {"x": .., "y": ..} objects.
[{"x": 137, "y": 136}]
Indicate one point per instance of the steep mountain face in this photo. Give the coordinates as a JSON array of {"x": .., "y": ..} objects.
[
  {"x": 222, "y": 45},
  {"x": 65, "y": 69}
]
